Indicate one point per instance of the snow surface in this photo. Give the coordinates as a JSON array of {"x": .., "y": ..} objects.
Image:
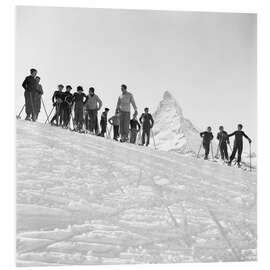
[{"x": 82, "y": 199}]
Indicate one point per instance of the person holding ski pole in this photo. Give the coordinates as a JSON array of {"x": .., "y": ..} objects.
[
  {"x": 93, "y": 104},
  {"x": 238, "y": 144},
  {"x": 30, "y": 85},
  {"x": 79, "y": 98},
  {"x": 147, "y": 122},
  {"x": 67, "y": 104},
  {"x": 223, "y": 139},
  {"x": 103, "y": 122},
  {"x": 115, "y": 122},
  {"x": 207, "y": 138},
  {"x": 123, "y": 106},
  {"x": 57, "y": 100},
  {"x": 37, "y": 97},
  {"x": 135, "y": 128}
]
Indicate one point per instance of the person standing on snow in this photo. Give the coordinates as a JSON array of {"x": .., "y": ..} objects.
[
  {"x": 147, "y": 122},
  {"x": 37, "y": 97},
  {"x": 57, "y": 100},
  {"x": 135, "y": 128},
  {"x": 123, "y": 106},
  {"x": 67, "y": 104},
  {"x": 93, "y": 104},
  {"x": 223, "y": 139},
  {"x": 238, "y": 144},
  {"x": 103, "y": 122},
  {"x": 30, "y": 85},
  {"x": 207, "y": 138},
  {"x": 115, "y": 122},
  {"x": 79, "y": 98}
]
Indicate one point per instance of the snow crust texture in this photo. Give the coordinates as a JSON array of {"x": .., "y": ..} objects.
[{"x": 86, "y": 200}]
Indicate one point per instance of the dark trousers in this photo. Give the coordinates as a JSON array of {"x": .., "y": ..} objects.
[
  {"x": 146, "y": 132},
  {"x": 58, "y": 117},
  {"x": 206, "y": 146},
  {"x": 103, "y": 129},
  {"x": 66, "y": 114},
  {"x": 78, "y": 111},
  {"x": 92, "y": 120},
  {"x": 29, "y": 104},
  {"x": 133, "y": 135},
  {"x": 115, "y": 132},
  {"x": 223, "y": 151},
  {"x": 237, "y": 148}
]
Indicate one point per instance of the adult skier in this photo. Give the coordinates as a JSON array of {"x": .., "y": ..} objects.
[
  {"x": 135, "y": 128},
  {"x": 57, "y": 100},
  {"x": 207, "y": 138},
  {"x": 67, "y": 104},
  {"x": 223, "y": 139},
  {"x": 123, "y": 106},
  {"x": 37, "y": 97},
  {"x": 93, "y": 104},
  {"x": 115, "y": 122},
  {"x": 30, "y": 85},
  {"x": 79, "y": 98},
  {"x": 103, "y": 122},
  {"x": 147, "y": 122},
  {"x": 238, "y": 144}
]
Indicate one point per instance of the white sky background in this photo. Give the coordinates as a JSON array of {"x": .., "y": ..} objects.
[{"x": 206, "y": 60}]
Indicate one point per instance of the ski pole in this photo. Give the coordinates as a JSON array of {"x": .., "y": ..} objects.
[
  {"x": 19, "y": 115},
  {"x": 250, "y": 156},
  {"x": 48, "y": 118},
  {"x": 153, "y": 139},
  {"x": 199, "y": 150},
  {"x": 44, "y": 108}
]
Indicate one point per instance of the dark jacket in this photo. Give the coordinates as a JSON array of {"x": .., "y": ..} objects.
[
  {"x": 207, "y": 136},
  {"x": 30, "y": 84},
  {"x": 103, "y": 119},
  {"x": 79, "y": 98},
  {"x": 58, "y": 97},
  {"x": 223, "y": 137},
  {"x": 239, "y": 134},
  {"x": 146, "y": 120},
  {"x": 68, "y": 98},
  {"x": 134, "y": 124}
]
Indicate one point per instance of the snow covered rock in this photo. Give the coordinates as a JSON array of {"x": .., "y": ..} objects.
[{"x": 172, "y": 130}]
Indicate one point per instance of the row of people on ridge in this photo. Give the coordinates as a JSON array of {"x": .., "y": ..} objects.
[{"x": 223, "y": 138}]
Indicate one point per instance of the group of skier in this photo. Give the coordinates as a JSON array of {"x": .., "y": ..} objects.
[
  {"x": 223, "y": 141},
  {"x": 86, "y": 109}
]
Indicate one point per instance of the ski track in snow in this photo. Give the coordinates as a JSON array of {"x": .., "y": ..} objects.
[{"x": 84, "y": 200}]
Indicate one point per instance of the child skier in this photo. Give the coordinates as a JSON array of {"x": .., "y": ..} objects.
[
  {"x": 223, "y": 139},
  {"x": 57, "y": 100},
  {"x": 147, "y": 122},
  {"x": 68, "y": 98},
  {"x": 103, "y": 122},
  {"x": 135, "y": 128},
  {"x": 79, "y": 99},
  {"x": 238, "y": 144},
  {"x": 115, "y": 122},
  {"x": 207, "y": 138}
]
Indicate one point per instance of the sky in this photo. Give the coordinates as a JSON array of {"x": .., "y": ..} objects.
[{"x": 207, "y": 61}]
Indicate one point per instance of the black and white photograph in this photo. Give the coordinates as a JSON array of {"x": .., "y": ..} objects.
[{"x": 136, "y": 136}]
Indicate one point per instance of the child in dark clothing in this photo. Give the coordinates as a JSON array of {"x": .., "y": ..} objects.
[{"x": 207, "y": 138}]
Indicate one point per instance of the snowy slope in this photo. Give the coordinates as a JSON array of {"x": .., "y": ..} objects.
[
  {"x": 172, "y": 130},
  {"x": 83, "y": 199}
]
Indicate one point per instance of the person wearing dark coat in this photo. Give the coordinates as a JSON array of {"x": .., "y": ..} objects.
[
  {"x": 223, "y": 139},
  {"x": 238, "y": 144},
  {"x": 30, "y": 85},
  {"x": 147, "y": 122},
  {"x": 79, "y": 98},
  {"x": 37, "y": 97},
  {"x": 207, "y": 138},
  {"x": 135, "y": 128},
  {"x": 103, "y": 122},
  {"x": 67, "y": 104},
  {"x": 57, "y": 100}
]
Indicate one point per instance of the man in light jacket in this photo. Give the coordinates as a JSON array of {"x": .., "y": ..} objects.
[
  {"x": 123, "y": 106},
  {"x": 92, "y": 104}
]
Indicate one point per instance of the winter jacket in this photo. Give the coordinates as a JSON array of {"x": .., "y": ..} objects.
[
  {"x": 114, "y": 120},
  {"x": 124, "y": 101},
  {"x": 58, "y": 97},
  {"x": 68, "y": 98},
  {"x": 93, "y": 102},
  {"x": 134, "y": 124},
  {"x": 78, "y": 98},
  {"x": 146, "y": 120},
  {"x": 207, "y": 137},
  {"x": 30, "y": 84},
  {"x": 223, "y": 137},
  {"x": 239, "y": 134}
]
